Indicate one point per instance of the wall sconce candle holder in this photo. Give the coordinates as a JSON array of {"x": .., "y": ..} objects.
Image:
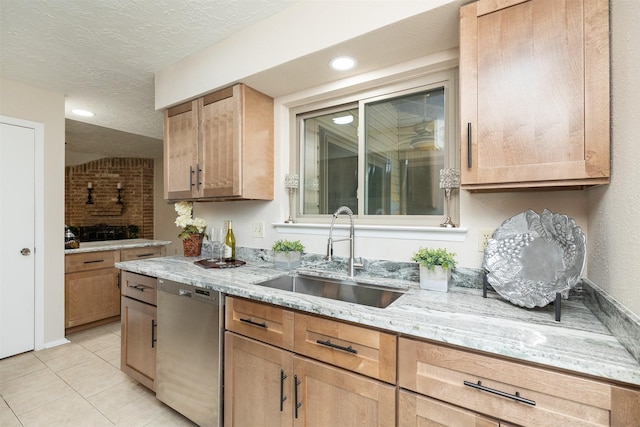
[
  {"x": 119, "y": 202},
  {"x": 291, "y": 182},
  {"x": 449, "y": 180},
  {"x": 89, "y": 196}
]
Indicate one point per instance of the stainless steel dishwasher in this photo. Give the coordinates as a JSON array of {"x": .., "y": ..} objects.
[{"x": 188, "y": 358}]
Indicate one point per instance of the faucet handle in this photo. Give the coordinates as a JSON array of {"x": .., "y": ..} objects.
[
  {"x": 359, "y": 265},
  {"x": 329, "y": 256}
]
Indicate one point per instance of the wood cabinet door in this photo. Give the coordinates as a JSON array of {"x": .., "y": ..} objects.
[
  {"x": 329, "y": 396},
  {"x": 180, "y": 147},
  {"x": 138, "y": 334},
  {"x": 257, "y": 383},
  {"x": 534, "y": 82},
  {"x": 91, "y": 295},
  {"x": 415, "y": 410},
  {"x": 220, "y": 148}
]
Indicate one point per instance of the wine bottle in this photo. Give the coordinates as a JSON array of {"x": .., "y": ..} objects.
[{"x": 230, "y": 243}]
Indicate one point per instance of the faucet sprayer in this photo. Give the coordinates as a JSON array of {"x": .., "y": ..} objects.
[{"x": 329, "y": 257}]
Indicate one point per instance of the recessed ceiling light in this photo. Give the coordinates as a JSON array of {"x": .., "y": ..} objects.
[
  {"x": 342, "y": 63},
  {"x": 83, "y": 113},
  {"x": 343, "y": 120}
]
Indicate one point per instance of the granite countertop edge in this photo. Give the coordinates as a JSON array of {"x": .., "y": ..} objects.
[
  {"x": 113, "y": 245},
  {"x": 461, "y": 317}
]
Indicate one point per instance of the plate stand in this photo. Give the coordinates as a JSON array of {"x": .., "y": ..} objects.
[{"x": 557, "y": 304}]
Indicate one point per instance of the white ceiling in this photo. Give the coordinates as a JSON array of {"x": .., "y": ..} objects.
[{"x": 102, "y": 54}]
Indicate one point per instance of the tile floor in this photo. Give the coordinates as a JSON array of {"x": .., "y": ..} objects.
[{"x": 78, "y": 384}]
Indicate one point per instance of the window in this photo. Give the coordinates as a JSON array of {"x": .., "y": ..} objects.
[{"x": 389, "y": 170}]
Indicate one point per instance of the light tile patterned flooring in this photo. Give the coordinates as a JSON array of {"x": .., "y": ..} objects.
[{"x": 78, "y": 384}]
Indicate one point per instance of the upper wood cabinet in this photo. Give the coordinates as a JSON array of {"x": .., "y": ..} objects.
[
  {"x": 534, "y": 94},
  {"x": 220, "y": 147}
]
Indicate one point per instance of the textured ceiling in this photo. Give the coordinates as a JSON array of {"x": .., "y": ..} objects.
[{"x": 102, "y": 54}]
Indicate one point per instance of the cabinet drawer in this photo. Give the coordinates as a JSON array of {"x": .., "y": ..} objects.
[
  {"x": 139, "y": 287},
  {"x": 359, "y": 349},
  {"x": 90, "y": 261},
  {"x": 263, "y": 322},
  {"x": 417, "y": 410},
  {"x": 141, "y": 253},
  {"x": 471, "y": 380}
]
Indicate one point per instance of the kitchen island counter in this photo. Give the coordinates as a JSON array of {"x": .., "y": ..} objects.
[
  {"x": 580, "y": 343},
  {"x": 111, "y": 245}
]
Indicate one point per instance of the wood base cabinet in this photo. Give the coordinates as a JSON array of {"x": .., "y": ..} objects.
[
  {"x": 272, "y": 379},
  {"x": 534, "y": 94},
  {"x": 514, "y": 393},
  {"x": 139, "y": 327},
  {"x": 268, "y": 386},
  {"x": 92, "y": 288}
]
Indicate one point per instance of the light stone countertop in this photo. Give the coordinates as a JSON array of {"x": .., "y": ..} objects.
[
  {"x": 113, "y": 245},
  {"x": 579, "y": 343}
]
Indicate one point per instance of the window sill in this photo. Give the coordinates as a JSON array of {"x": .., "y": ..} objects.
[{"x": 379, "y": 231}]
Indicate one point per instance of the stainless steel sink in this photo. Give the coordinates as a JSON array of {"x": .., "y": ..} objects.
[{"x": 342, "y": 290}]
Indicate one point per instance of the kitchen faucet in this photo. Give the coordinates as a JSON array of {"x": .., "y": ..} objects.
[{"x": 352, "y": 265}]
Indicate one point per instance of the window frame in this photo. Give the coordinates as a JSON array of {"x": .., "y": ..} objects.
[{"x": 451, "y": 156}]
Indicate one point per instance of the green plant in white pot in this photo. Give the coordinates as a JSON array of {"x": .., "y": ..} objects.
[
  {"x": 287, "y": 254},
  {"x": 435, "y": 268}
]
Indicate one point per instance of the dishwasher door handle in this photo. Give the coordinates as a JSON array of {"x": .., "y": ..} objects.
[{"x": 184, "y": 293}]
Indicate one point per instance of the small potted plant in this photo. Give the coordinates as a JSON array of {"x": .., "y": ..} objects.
[
  {"x": 435, "y": 268},
  {"x": 192, "y": 229},
  {"x": 287, "y": 254}
]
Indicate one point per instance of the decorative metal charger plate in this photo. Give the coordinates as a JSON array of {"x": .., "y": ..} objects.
[
  {"x": 205, "y": 263},
  {"x": 531, "y": 257}
]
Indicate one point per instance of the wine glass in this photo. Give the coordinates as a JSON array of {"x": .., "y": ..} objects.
[{"x": 219, "y": 236}]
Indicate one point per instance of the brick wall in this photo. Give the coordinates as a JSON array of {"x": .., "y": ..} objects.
[{"x": 136, "y": 177}]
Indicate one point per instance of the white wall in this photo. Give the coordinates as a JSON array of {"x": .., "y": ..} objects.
[
  {"x": 609, "y": 215},
  {"x": 37, "y": 105},
  {"x": 614, "y": 210}
]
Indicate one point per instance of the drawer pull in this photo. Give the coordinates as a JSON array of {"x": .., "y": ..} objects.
[
  {"x": 469, "y": 146},
  {"x": 251, "y": 322},
  {"x": 140, "y": 288},
  {"x": 296, "y": 383},
  {"x": 94, "y": 261},
  {"x": 283, "y": 377},
  {"x": 153, "y": 333},
  {"x": 515, "y": 397},
  {"x": 328, "y": 343},
  {"x": 144, "y": 255}
]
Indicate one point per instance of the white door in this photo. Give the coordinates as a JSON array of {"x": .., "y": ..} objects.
[{"x": 17, "y": 237}]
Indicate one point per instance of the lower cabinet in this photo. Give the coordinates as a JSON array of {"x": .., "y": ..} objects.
[
  {"x": 415, "y": 410},
  {"x": 138, "y": 322},
  {"x": 138, "y": 332},
  {"x": 284, "y": 368},
  {"x": 514, "y": 393},
  {"x": 91, "y": 296},
  {"x": 268, "y": 386}
]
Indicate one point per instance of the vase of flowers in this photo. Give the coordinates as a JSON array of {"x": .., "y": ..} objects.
[
  {"x": 435, "y": 268},
  {"x": 192, "y": 232},
  {"x": 287, "y": 254}
]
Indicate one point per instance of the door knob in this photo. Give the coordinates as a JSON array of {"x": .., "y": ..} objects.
[{"x": 25, "y": 251}]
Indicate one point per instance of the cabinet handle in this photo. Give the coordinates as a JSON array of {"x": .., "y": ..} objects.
[
  {"x": 469, "y": 154},
  {"x": 296, "y": 383},
  {"x": 153, "y": 333},
  {"x": 328, "y": 343},
  {"x": 140, "y": 288},
  {"x": 251, "y": 322},
  {"x": 93, "y": 261},
  {"x": 283, "y": 377},
  {"x": 190, "y": 176},
  {"x": 144, "y": 255},
  {"x": 118, "y": 281},
  {"x": 198, "y": 170},
  {"x": 515, "y": 397}
]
